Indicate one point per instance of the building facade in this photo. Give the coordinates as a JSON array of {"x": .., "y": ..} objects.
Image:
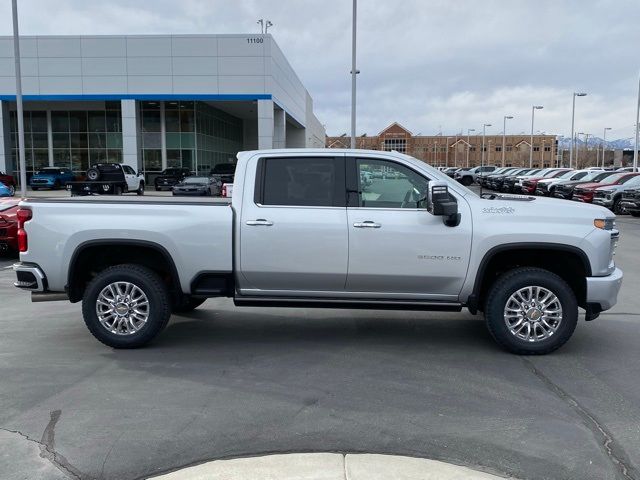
[
  {"x": 459, "y": 150},
  {"x": 151, "y": 102}
]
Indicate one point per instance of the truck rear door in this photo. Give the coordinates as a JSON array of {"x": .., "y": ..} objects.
[{"x": 293, "y": 225}]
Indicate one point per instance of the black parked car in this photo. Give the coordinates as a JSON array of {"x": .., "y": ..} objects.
[
  {"x": 496, "y": 182},
  {"x": 565, "y": 189},
  {"x": 225, "y": 172},
  {"x": 205, "y": 186},
  {"x": 170, "y": 176},
  {"x": 509, "y": 182}
]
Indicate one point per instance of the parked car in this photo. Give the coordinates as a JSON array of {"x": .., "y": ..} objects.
[
  {"x": 495, "y": 182},
  {"x": 54, "y": 178},
  {"x": 530, "y": 184},
  {"x": 544, "y": 173},
  {"x": 169, "y": 177},
  {"x": 9, "y": 182},
  {"x": 586, "y": 191},
  {"x": 300, "y": 232},
  {"x": 631, "y": 201},
  {"x": 611, "y": 196},
  {"x": 451, "y": 172},
  {"x": 108, "y": 179},
  {"x": 467, "y": 177},
  {"x": 509, "y": 182},
  {"x": 8, "y": 226},
  {"x": 6, "y": 191},
  {"x": 225, "y": 172},
  {"x": 198, "y": 186},
  {"x": 565, "y": 189},
  {"x": 484, "y": 179},
  {"x": 546, "y": 186}
]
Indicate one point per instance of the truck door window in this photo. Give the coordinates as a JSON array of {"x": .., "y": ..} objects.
[
  {"x": 386, "y": 184},
  {"x": 295, "y": 181}
]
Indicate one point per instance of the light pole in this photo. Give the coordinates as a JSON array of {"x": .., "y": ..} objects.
[
  {"x": 504, "y": 135},
  {"x": 469, "y": 130},
  {"x": 354, "y": 72},
  {"x": 559, "y": 158},
  {"x": 604, "y": 143},
  {"x": 637, "y": 144},
  {"x": 573, "y": 137},
  {"x": 533, "y": 111},
  {"x": 20, "y": 114},
  {"x": 484, "y": 134},
  {"x": 446, "y": 157}
]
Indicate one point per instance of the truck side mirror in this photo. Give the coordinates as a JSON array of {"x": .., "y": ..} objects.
[{"x": 440, "y": 203}]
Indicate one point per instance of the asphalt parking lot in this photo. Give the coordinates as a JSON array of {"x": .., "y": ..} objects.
[{"x": 225, "y": 382}]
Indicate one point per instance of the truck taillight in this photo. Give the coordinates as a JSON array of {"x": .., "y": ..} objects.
[{"x": 23, "y": 215}]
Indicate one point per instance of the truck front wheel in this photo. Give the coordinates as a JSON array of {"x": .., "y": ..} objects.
[
  {"x": 126, "y": 306},
  {"x": 531, "y": 311}
]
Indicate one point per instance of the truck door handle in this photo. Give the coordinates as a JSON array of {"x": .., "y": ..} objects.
[
  {"x": 259, "y": 221},
  {"x": 367, "y": 224}
]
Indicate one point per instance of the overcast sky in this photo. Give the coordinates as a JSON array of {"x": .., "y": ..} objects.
[{"x": 432, "y": 65}]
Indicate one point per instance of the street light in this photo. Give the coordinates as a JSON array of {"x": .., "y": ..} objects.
[
  {"x": 19, "y": 112},
  {"x": 604, "y": 142},
  {"x": 637, "y": 145},
  {"x": 484, "y": 133},
  {"x": 504, "y": 134},
  {"x": 469, "y": 130},
  {"x": 573, "y": 135},
  {"x": 354, "y": 72},
  {"x": 533, "y": 111}
]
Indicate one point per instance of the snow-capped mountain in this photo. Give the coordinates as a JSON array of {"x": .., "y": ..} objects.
[{"x": 619, "y": 144}]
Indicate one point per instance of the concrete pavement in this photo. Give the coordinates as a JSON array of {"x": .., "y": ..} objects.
[{"x": 226, "y": 382}]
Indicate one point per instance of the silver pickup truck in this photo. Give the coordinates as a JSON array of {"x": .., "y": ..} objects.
[{"x": 325, "y": 228}]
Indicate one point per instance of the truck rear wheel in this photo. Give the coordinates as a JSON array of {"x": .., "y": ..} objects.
[
  {"x": 531, "y": 311},
  {"x": 93, "y": 174},
  {"x": 126, "y": 306}
]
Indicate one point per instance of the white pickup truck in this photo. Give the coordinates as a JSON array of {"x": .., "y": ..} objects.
[{"x": 325, "y": 228}]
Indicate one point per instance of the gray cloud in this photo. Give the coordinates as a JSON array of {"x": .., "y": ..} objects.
[{"x": 430, "y": 65}]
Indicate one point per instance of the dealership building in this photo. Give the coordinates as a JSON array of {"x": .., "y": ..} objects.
[{"x": 151, "y": 102}]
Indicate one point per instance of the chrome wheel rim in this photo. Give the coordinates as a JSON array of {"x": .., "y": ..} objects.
[
  {"x": 122, "y": 308},
  {"x": 533, "y": 314}
]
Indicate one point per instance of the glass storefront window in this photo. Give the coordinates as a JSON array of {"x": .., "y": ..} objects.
[{"x": 79, "y": 137}]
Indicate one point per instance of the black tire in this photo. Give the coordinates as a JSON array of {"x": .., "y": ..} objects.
[
  {"x": 466, "y": 181},
  {"x": 12, "y": 190},
  {"x": 158, "y": 188},
  {"x": 56, "y": 185},
  {"x": 635, "y": 214},
  {"x": 153, "y": 287},
  {"x": 93, "y": 174},
  {"x": 140, "y": 190},
  {"x": 35, "y": 189},
  {"x": 117, "y": 190},
  {"x": 617, "y": 208},
  {"x": 514, "y": 280},
  {"x": 186, "y": 304}
]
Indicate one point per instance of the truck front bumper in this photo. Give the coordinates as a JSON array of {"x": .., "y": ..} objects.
[{"x": 603, "y": 291}]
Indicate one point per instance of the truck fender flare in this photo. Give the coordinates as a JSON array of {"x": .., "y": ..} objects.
[
  {"x": 123, "y": 242},
  {"x": 472, "y": 302}
]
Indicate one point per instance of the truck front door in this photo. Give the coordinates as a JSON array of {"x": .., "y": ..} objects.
[
  {"x": 293, "y": 227},
  {"x": 398, "y": 249}
]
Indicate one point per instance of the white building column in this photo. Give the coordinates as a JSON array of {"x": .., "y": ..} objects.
[
  {"x": 279, "y": 129},
  {"x": 49, "y": 138},
  {"x": 163, "y": 136},
  {"x": 130, "y": 134},
  {"x": 5, "y": 139},
  {"x": 265, "y": 124}
]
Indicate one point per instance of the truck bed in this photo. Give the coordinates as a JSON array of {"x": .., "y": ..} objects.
[{"x": 197, "y": 234}]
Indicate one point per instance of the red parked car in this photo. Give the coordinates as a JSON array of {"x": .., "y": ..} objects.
[
  {"x": 8, "y": 225},
  {"x": 8, "y": 181},
  {"x": 530, "y": 184},
  {"x": 585, "y": 191}
]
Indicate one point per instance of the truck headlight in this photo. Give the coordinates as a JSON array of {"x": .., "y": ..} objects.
[{"x": 604, "y": 223}]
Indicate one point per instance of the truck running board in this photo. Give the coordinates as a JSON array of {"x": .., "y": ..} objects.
[{"x": 366, "y": 303}]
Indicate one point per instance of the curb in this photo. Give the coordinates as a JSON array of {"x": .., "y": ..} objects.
[{"x": 327, "y": 466}]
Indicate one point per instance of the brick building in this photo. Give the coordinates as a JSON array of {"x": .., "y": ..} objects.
[{"x": 457, "y": 150}]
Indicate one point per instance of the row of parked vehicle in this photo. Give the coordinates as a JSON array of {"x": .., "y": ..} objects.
[{"x": 618, "y": 190}]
